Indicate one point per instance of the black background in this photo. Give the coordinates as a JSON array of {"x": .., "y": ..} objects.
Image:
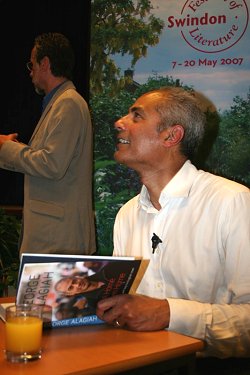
[{"x": 20, "y": 23}]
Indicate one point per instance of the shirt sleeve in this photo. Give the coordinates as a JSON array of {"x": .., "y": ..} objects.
[
  {"x": 52, "y": 157},
  {"x": 225, "y": 334},
  {"x": 224, "y": 324}
]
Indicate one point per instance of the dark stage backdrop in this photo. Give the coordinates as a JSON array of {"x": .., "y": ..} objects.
[{"x": 20, "y": 23}]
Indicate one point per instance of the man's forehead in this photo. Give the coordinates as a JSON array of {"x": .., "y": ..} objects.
[{"x": 146, "y": 101}]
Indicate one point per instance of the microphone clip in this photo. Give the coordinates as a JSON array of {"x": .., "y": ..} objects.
[{"x": 155, "y": 242}]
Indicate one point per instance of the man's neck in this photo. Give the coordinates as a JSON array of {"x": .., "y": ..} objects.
[
  {"x": 156, "y": 180},
  {"x": 54, "y": 82}
]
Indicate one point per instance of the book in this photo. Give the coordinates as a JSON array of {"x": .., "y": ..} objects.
[
  {"x": 3, "y": 307},
  {"x": 69, "y": 287}
]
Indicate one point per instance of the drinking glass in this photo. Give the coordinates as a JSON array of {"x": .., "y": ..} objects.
[{"x": 23, "y": 332}]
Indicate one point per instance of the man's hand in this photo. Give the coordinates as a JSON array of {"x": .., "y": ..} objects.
[
  {"x": 9, "y": 137},
  {"x": 135, "y": 312}
]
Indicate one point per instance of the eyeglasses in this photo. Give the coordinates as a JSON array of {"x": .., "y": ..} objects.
[{"x": 29, "y": 65}]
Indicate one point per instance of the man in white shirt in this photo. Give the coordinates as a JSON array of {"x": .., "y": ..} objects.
[{"x": 192, "y": 225}]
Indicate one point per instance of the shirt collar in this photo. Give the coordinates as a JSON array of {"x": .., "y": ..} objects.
[
  {"x": 47, "y": 97},
  {"x": 178, "y": 187}
]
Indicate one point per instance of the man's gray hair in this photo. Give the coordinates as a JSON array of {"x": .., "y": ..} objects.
[{"x": 180, "y": 107}]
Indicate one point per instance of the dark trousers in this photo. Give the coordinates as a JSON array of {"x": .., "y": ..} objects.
[
  {"x": 215, "y": 366},
  {"x": 203, "y": 366},
  {"x": 229, "y": 366}
]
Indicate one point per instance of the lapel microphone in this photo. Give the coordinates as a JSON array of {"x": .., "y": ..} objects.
[{"x": 155, "y": 242}]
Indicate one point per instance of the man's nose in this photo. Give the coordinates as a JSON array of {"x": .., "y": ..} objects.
[{"x": 120, "y": 124}]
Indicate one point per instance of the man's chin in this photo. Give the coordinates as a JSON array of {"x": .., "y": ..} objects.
[
  {"x": 121, "y": 159},
  {"x": 39, "y": 91}
]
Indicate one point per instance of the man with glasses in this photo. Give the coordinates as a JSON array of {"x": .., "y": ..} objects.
[{"x": 57, "y": 162}]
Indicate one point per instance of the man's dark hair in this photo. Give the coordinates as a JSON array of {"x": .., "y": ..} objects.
[{"x": 59, "y": 51}]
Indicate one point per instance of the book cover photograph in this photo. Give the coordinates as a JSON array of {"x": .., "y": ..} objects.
[{"x": 69, "y": 289}]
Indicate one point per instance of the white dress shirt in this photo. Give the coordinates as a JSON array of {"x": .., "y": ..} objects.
[{"x": 202, "y": 265}]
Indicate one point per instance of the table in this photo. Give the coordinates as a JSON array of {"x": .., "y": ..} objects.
[
  {"x": 13, "y": 210},
  {"x": 104, "y": 350}
]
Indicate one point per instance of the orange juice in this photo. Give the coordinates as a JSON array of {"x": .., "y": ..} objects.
[{"x": 23, "y": 334}]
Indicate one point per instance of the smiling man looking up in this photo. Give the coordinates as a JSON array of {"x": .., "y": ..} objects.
[{"x": 198, "y": 280}]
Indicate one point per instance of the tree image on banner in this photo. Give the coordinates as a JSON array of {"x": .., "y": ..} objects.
[{"x": 125, "y": 27}]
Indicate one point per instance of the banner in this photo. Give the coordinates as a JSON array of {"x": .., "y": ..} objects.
[{"x": 204, "y": 45}]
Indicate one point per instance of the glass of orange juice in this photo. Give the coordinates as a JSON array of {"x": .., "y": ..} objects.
[{"x": 23, "y": 332}]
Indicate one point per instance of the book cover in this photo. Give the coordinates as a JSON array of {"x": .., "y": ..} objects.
[
  {"x": 3, "y": 307},
  {"x": 69, "y": 287}
]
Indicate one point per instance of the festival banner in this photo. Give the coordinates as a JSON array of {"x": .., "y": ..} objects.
[
  {"x": 205, "y": 44},
  {"x": 201, "y": 44}
]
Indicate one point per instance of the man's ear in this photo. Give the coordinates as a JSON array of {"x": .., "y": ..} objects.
[
  {"x": 45, "y": 63},
  {"x": 173, "y": 135}
]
